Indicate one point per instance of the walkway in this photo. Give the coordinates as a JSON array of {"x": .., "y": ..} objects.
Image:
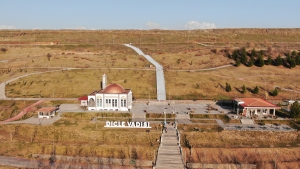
[
  {"x": 183, "y": 118},
  {"x": 141, "y": 116},
  {"x": 169, "y": 153},
  {"x": 23, "y": 112},
  {"x": 160, "y": 79}
]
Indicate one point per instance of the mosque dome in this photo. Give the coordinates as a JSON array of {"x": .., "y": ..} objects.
[{"x": 114, "y": 89}]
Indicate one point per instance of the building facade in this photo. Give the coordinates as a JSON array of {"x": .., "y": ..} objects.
[
  {"x": 111, "y": 97},
  {"x": 254, "y": 106},
  {"x": 46, "y": 112}
]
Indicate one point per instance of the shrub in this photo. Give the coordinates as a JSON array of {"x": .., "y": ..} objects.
[
  {"x": 228, "y": 87},
  {"x": 3, "y": 50},
  {"x": 48, "y": 56},
  {"x": 269, "y": 61},
  {"x": 260, "y": 61},
  {"x": 256, "y": 90},
  {"x": 250, "y": 63},
  {"x": 243, "y": 89},
  {"x": 278, "y": 61},
  {"x": 237, "y": 63},
  {"x": 295, "y": 110},
  {"x": 275, "y": 92}
]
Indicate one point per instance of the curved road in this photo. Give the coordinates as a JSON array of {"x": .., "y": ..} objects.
[{"x": 3, "y": 84}]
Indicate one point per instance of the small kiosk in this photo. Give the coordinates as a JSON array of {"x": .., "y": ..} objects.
[{"x": 46, "y": 112}]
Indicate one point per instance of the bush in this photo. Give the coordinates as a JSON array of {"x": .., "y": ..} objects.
[
  {"x": 3, "y": 49},
  {"x": 243, "y": 89},
  {"x": 228, "y": 87},
  {"x": 275, "y": 92},
  {"x": 237, "y": 63},
  {"x": 278, "y": 61},
  {"x": 295, "y": 110},
  {"x": 256, "y": 90},
  {"x": 48, "y": 56}
]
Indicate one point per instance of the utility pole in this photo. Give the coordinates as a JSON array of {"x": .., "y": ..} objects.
[{"x": 165, "y": 113}]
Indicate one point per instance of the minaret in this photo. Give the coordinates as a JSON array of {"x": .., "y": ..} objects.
[{"x": 104, "y": 81}]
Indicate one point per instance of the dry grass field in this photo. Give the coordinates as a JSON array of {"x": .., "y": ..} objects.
[
  {"x": 267, "y": 158},
  {"x": 76, "y": 83},
  {"x": 241, "y": 147},
  {"x": 77, "y": 137},
  {"x": 182, "y": 53},
  {"x": 10, "y": 108}
]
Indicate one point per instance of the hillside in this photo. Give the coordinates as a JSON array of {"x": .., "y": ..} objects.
[{"x": 185, "y": 56}]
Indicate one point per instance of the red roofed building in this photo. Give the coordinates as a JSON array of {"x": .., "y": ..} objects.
[
  {"x": 110, "y": 97},
  {"x": 46, "y": 112},
  {"x": 254, "y": 106},
  {"x": 83, "y": 100}
]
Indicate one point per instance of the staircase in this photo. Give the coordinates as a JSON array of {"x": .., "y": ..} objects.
[{"x": 169, "y": 152}]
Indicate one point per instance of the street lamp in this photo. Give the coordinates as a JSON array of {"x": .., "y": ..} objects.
[{"x": 165, "y": 115}]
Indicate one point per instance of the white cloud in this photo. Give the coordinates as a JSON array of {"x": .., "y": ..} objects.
[
  {"x": 196, "y": 25},
  {"x": 152, "y": 25},
  {"x": 7, "y": 27},
  {"x": 78, "y": 28}
]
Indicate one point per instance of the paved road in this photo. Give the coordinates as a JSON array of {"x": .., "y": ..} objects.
[{"x": 160, "y": 79}]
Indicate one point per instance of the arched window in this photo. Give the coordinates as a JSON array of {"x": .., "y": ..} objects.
[{"x": 91, "y": 102}]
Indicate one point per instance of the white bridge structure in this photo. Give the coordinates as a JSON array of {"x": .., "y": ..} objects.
[{"x": 160, "y": 79}]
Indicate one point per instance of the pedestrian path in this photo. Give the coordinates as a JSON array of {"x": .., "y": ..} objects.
[
  {"x": 183, "y": 118},
  {"x": 160, "y": 79},
  {"x": 169, "y": 152},
  {"x": 141, "y": 116},
  {"x": 22, "y": 113}
]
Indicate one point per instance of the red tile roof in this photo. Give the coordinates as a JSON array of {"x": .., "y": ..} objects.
[
  {"x": 46, "y": 109},
  {"x": 83, "y": 98},
  {"x": 255, "y": 102}
]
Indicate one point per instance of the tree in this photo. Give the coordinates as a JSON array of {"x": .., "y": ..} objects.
[
  {"x": 294, "y": 53},
  {"x": 243, "y": 89},
  {"x": 253, "y": 53},
  {"x": 243, "y": 59},
  {"x": 252, "y": 59},
  {"x": 291, "y": 60},
  {"x": 260, "y": 61},
  {"x": 295, "y": 110},
  {"x": 228, "y": 87},
  {"x": 235, "y": 55},
  {"x": 293, "y": 63},
  {"x": 269, "y": 60},
  {"x": 237, "y": 63},
  {"x": 278, "y": 61},
  {"x": 297, "y": 59},
  {"x": 256, "y": 90},
  {"x": 250, "y": 63},
  {"x": 275, "y": 92}
]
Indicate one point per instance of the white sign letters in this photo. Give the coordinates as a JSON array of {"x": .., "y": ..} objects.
[{"x": 124, "y": 124}]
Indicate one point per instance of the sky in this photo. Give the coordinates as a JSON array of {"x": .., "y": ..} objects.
[{"x": 149, "y": 14}]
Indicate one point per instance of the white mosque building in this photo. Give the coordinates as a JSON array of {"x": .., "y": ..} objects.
[{"x": 111, "y": 97}]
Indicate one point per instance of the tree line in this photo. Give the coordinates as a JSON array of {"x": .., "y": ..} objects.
[{"x": 257, "y": 58}]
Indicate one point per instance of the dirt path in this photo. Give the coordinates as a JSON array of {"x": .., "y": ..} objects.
[{"x": 23, "y": 112}]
